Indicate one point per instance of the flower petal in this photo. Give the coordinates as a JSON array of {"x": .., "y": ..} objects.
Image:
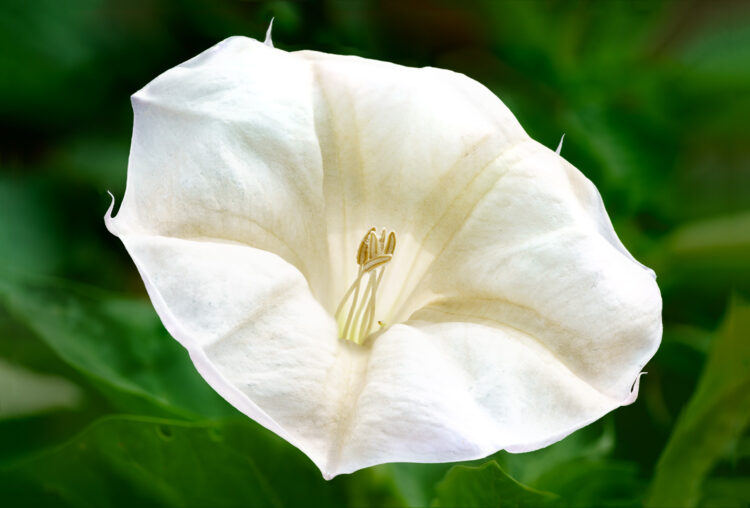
[
  {"x": 253, "y": 330},
  {"x": 437, "y": 392},
  {"x": 253, "y": 175},
  {"x": 400, "y": 146},
  {"x": 226, "y": 150},
  {"x": 538, "y": 254}
]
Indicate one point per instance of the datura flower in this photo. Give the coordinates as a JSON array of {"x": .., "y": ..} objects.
[{"x": 376, "y": 262}]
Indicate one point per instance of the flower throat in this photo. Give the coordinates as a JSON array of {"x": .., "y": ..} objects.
[{"x": 372, "y": 256}]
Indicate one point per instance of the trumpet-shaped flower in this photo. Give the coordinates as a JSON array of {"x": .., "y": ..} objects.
[{"x": 376, "y": 262}]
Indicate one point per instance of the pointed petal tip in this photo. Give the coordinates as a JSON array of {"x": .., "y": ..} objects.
[
  {"x": 559, "y": 146},
  {"x": 634, "y": 391},
  {"x": 108, "y": 219},
  {"x": 108, "y": 214},
  {"x": 268, "y": 42}
]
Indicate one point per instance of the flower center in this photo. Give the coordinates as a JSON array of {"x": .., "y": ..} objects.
[{"x": 355, "y": 315}]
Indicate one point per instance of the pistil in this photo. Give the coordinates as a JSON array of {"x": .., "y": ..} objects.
[{"x": 373, "y": 254}]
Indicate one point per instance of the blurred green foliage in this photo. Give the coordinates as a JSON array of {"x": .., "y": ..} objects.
[
  {"x": 713, "y": 420},
  {"x": 100, "y": 407}
]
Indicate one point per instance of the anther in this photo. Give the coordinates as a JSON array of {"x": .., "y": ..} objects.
[
  {"x": 373, "y": 254},
  {"x": 376, "y": 262}
]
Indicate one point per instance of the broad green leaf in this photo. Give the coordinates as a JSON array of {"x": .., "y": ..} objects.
[
  {"x": 370, "y": 487},
  {"x": 594, "y": 483},
  {"x": 29, "y": 433},
  {"x": 578, "y": 469},
  {"x": 126, "y": 461},
  {"x": 18, "y": 345},
  {"x": 25, "y": 392},
  {"x": 414, "y": 483},
  {"x": 118, "y": 343},
  {"x": 594, "y": 442},
  {"x": 484, "y": 486},
  {"x": 713, "y": 419}
]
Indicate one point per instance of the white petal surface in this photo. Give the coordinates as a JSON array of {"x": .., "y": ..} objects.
[
  {"x": 252, "y": 328},
  {"x": 538, "y": 254},
  {"x": 224, "y": 148},
  {"x": 472, "y": 390},
  {"x": 514, "y": 314}
]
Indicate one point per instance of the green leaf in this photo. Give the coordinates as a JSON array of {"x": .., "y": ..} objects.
[
  {"x": 486, "y": 485},
  {"x": 593, "y": 442},
  {"x": 29, "y": 433},
  {"x": 595, "y": 483},
  {"x": 540, "y": 469},
  {"x": 26, "y": 392},
  {"x": 116, "y": 342},
  {"x": 713, "y": 419},
  {"x": 414, "y": 483},
  {"x": 127, "y": 461},
  {"x": 578, "y": 469}
]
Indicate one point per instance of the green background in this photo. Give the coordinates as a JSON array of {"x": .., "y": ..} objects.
[{"x": 100, "y": 407}]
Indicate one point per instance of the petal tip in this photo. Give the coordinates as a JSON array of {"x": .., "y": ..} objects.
[
  {"x": 108, "y": 219},
  {"x": 559, "y": 146},
  {"x": 634, "y": 390},
  {"x": 268, "y": 41}
]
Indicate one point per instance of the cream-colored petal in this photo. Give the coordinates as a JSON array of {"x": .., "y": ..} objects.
[
  {"x": 400, "y": 148},
  {"x": 492, "y": 226},
  {"x": 436, "y": 392},
  {"x": 538, "y": 254},
  {"x": 253, "y": 330},
  {"x": 224, "y": 147},
  {"x": 513, "y": 313}
]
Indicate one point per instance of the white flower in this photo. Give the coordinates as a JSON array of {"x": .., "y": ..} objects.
[{"x": 506, "y": 315}]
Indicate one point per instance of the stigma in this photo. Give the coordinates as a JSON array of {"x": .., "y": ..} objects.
[{"x": 355, "y": 314}]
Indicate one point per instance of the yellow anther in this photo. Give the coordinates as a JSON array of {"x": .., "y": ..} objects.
[
  {"x": 390, "y": 245},
  {"x": 373, "y": 254},
  {"x": 362, "y": 253},
  {"x": 376, "y": 262},
  {"x": 372, "y": 245}
]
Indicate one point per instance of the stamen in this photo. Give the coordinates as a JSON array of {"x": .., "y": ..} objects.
[
  {"x": 373, "y": 254},
  {"x": 376, "y": 262}
]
